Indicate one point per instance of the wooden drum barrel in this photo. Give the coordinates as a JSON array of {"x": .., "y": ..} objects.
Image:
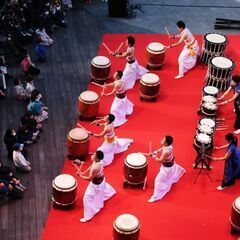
[
  {"x": 126, "y": 227},
  {"x": 155, "y": 55},
  {"x": 235, "y": 215}
]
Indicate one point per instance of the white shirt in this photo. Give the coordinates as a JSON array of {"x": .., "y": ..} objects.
[{"x": 19, "y": 160}]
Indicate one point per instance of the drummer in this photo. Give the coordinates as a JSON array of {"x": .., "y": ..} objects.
[
  {"x": 111, "y": 144},
  {"x": 234, "y": 86},
  {"x": 132, "y": 71},
  {"x": 188, "y": 57},
  {"x": 170, "y": 172},
  {"x": 121, "y": 106},
  {"x": 98, "y": 189}
]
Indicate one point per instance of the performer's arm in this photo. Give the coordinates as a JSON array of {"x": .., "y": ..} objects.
[
  {"x": 162, "y": 157},
  {"x": 221, "y": 147},
  {"x": 91, "y": 175},
  {"x": 225, "y": 93},
  {"x": 231, "y": 99},
  {"x": 112, "y": 92},
  {"x": 179, "y": 41},
  {"x": 101, "y": 134},
  {"x": 227, "y": 155},
  {"x": 157, "y": 151}
]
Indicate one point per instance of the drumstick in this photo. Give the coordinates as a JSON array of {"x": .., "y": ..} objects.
[
  {"x": 221, "y": 129},
  {"x": 146, "y": 154},
  {"x": 119, "y": 47},
  {"x": 104, "y": 44},
  {"x": 150, "y": 146},
  {"x": 103, "y": 88},
  {"x": 167, "y": 31},
  {"x": 207, "y": 156},
  {"x": 220, "y": 119},
  {"x": 96, "y": 84}
]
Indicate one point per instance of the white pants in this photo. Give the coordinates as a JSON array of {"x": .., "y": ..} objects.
[
  {"x": 131, "y": 73},
  {"x": 109, "y": 149},
  {"x": 164, "y": 180},
  {"x": 120, "y": 108},
  {"x": 94, "y": 197},
  {"x": 186, "y": 61}
]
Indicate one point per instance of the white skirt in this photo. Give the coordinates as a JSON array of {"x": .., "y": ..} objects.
[
  {"x": 109, "y": 149},
  {"x": 131, "y": 73},
  {"x": 94, "y": 197},
  {"x": 164, "y": 180},
  {"x": 120, "y": 109}
]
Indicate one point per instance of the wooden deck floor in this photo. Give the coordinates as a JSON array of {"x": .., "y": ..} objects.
[{"x": 63, "y": 77}]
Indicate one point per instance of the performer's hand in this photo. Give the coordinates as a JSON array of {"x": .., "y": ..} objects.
[
  {"x": 90, "y": 133},
  {"x": 214, "y": 158},
  {"x": 155, "y": 152},
  {"x": 216, "y": 147},
  {"x": 220, "y": 98},
  {"x": 93, "y": 122},
  {"x": 113, "y": 53},
  {"x": 171, "y": 36}
]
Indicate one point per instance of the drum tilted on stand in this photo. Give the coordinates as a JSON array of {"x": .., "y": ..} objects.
[
  {"x": 78, "y": 141},
  {"x": 219, "y": 72},
  {"x": 214, "y": 45},
  {"x": 64, "y": 191},
  {"x": 126, "y": 227},
  {"x": 209, "y": 109},
  {"x": 88, "y": 104},
  {"x": 235, "y": 215},
  {"x": 155, "y": 55},
  {"x": 149, "y": 86},
  {"x": 100, "y": 69},
  {"x": 202, "y": 138},
  {"x": 135, "y": 169}
]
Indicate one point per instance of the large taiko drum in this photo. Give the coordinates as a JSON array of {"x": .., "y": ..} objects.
[
  {"x": 88, "y": 104},
  {"x": 78, "y": 141},
  {"x": 202, "y": 138},
  {"x": 149, "y": 86},
  {"x": 100, "y": 69},
  {"x": 64, "y": 191},
  {"x": 135, "y": 168},
  {"x": 214, "y": 45},
  {"x": 210, "y": 91},
  {"x": 209, "y": 109},
  {"x": 155, "y": 55},
  {"x": 235, "y": 215},
  {"x": 208, "y": 122},
  {"x": 219, "y": 72},
  {"x": 126, "y": 227}
]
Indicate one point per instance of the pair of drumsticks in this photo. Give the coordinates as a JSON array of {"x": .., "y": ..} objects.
[{"x": 111, "y": 52}]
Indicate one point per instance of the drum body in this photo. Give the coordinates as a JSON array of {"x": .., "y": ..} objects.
[
  {"x": 88, "y": 104},
  {"x": 214, "y": 45},
  {"x": 155, "y": 55},
  {"x": 149, "y": 86},
  {"x": 209, "y": 109},
  {"x": 100, "y": 69},
  {"x": 135, "y": 168},
  {"x": 219, "y": 72},
  {"x": 78, "y": 141},
  {"x": 126, "y": 227},
  {"x": 202, "y": 138},
  {"x": 235, "y": 214},
  {"x": 64, "y": 190},
  {"x": 210, "y": 91}
]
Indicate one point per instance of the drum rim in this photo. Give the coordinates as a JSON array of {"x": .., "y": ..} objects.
[
  {"x": 134, "y": 166},
  {"x": 104, "y": 57},
  {"x": 128, "y": 231},
  {"x": 210, "y": 97},
  {"x": 210, "y": 87},
  {"x": 92, "y": 92},
  {"x": 210, "y": 128},
  {"x": 207, "y": 120},
  {"x": 214, "y": 109},
  {"x": 73, "y": 186},
  {"x": 196, "y": 137},
  {"x": 220, "y": 67},
  {"x": 78, "y": 140},
  {"x": 150, "y": 84},
  {"x": 234, "y": 204},
  {"x": 155, "y": 51},
  {"x": 218, "y": 43}
]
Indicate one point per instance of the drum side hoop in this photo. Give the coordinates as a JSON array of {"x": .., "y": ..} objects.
[
  {"x": 236, "y": 209},
  {"x": 136, "y": 167},
  {"x": 101, "y": 66},
  {"x": 64, "y": 204},
  {"x": 134, "y": 183},
  {"x": 150, "y": 85},
  {"x": 154, "y": 65},
  {"x": 148, "y": 97},
  {"x": 209, "y": 114},
  {"x": 64, "y": 190},
  {"x": 90, "y": 102},
  {"x": 125, "y": 233},
  {"x": 234, "y": 226},
  {"x": 74, "y": 141}
]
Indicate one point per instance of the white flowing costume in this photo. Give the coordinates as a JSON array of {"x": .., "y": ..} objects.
[
  {"x": 121, "y": 107},
  {"x": 113, "y": 145},
  {"x": 166, "y": 176},
  {"x": 186, "y": 61},
  {"x": 95, "y": 195},
  {"x": 132, "y": 71}
]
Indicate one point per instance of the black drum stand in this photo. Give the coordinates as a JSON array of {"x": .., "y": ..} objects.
[{"x": 222, "y": 23}]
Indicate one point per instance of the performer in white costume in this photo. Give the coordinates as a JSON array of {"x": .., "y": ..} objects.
[
  {"x": 111, "y": 144},
  {"x": 170, "y": 172},
  {"x": 132, "y": 71},
  {"x": 188, "y": 57},
  {"x": 121, "y": 106},
  {"x": 98, "y": 189}
]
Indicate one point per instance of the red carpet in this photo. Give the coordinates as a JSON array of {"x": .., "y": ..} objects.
[{"x": 188, "y": 211}]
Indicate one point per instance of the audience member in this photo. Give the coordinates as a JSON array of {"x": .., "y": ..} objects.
[{"x": 19, "y": 91}]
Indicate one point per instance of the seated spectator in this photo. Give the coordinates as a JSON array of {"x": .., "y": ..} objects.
[
  {"x": 67, "y": 4},
  {"x": 7, "y": 189},
  {"x": 3, "y": 68},
  {"x": 37, "y": 108},
  {"x": 46, "y": 40},
  {"x": 41, "y": 51},
  {"x": 24, "y": 135},
  {"x": 57, "y": 13},
  {"x": 2, "y": 94},
  {"x": 19, "y": 91},
  {"x": 19, "y": 160},
  {"x": 29, "y": 87},
  {"x": 28, "y": 67}
]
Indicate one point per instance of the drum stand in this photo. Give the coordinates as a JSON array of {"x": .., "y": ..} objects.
[
  {"x": 201, "y": 162},
  {"x": 127, "y": 184},
  {"x": 222, "y": 23}
]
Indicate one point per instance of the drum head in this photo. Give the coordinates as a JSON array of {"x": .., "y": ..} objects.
[
  {"x": 89, "y": 96},
  {"x": 208, "y": 121},
  {"x": 136, "y": 159},
  {"x": 101, "y": 61},
  {"x": 150, "y": 78},
  {"x": 203, "y": 138},
  {"x": 127, "y": 222},
  {"x": 78, "y": 134},
  {"x": 237, "y": 203},
  {"x": 210, "y": 90},
  {"x": 205, "y": 129},
  {"x": 210, "y": 99},
  {"x": 210, "y": 105},
  {"x": 216, "y": 38},
  {"x": 222, "y": 62},
  {"x": 64, "y": 181},
  {"x": 155, "y": 47}
]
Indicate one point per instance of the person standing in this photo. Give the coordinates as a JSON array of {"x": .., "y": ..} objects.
[
  {"x": 188, "y": 57},
  {"x": 170, "y": 172},
  {"x": 98, "y": 189}
]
